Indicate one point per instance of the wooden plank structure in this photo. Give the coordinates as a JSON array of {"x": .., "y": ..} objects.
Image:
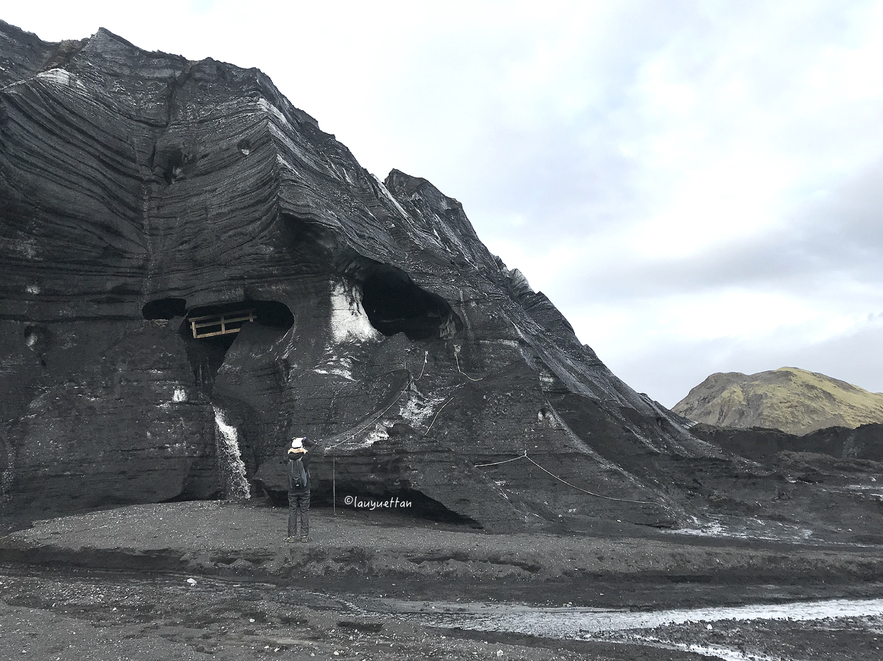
[{"x": 226, "y": 323}]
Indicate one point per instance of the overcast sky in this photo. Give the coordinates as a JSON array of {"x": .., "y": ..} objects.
[{"x": 697, "y": 185}]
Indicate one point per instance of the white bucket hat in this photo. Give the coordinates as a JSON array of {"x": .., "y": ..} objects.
[{"x": 297, "y": 444}]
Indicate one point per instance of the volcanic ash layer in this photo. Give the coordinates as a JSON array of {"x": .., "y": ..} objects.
[{"x": 193, "y": 271}]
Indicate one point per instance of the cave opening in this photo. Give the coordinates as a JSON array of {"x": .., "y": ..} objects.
[
  {"x": 209, "y": 331},
  {"x": 230, "y": 317},
  {"x": 164, "y": 308},
  {"x": 394, "y": 304}
]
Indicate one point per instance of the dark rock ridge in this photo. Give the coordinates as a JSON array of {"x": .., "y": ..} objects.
[
  {"x": 864, "y": 443},
  {"x": 836, "y": 459},
  {"x": 143, "y": 195},
  {"x": 789, "y": 399}
]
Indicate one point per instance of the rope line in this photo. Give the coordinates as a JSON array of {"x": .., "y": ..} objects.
[
  {"x": 411, "y": 380},
  {"x": 563, "y": 481},
  {"x": 422, "y": 369},
  {"x": 370, "y": 422},
  {"x": 457, "y": 358},
  {"x": 435, "y": 417},
  {"x": 450, "y": 399},
  {"x": 505, "y": 461},
  {"x": 376, "y": 417}
]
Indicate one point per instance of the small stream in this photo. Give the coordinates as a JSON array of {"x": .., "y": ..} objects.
[
  {"x": 585, "y": 622},
  {"x": 758, "y": 632}
]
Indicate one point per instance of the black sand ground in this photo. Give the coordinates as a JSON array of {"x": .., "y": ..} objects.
[{"x": 214, "y": 580}]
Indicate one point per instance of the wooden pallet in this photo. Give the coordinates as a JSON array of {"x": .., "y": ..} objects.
[{"x": 220, "y": 324}]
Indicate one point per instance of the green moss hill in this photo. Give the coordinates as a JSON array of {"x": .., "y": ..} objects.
[{"x": 789, "y": 399}]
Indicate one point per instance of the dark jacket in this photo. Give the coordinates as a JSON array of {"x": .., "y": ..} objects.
[{"x": 293, "y": 470}]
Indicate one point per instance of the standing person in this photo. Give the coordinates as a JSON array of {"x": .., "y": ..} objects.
[{"x": 299, "y": 490}]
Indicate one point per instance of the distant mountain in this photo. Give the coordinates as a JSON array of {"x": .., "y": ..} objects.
[{"x": 790, "y": 399}]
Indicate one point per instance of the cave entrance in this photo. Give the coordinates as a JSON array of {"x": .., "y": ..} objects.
[
  {"x": 214, "y": 322},
  {"x": 209, "y": 331},
  {"x": 164, "y": 308},
  {"x": 227, "y": 323},
  {"x": 394, "y": 304}
]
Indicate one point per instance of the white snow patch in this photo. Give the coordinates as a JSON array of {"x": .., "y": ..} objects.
[
  {"x": 388, "y": 196},
  {"x": 338, "y": 366},
  {"x": 547, "y": 380},
  {"x": 348, "y": 319},
  {"x": 713, "y": 529},
  {"x": 33, "y": 289},
  {"x": 180, "y": 395},
  {"x": 285, "y": 164},
  {"x": 725, "y": 653},
  {"x": 760, "y": 530},
  {"x": 266, "y": 106},
  {"x": 872, "y": 490},
  {"x": 26, "y": 247},
  {"x": 513, "y": 344},
  {"x": 417, "y": 410},
  {"x": 230, "y": 458},
  {"x": 61, "y": 77},
  {"x": 377, "y": 434}
]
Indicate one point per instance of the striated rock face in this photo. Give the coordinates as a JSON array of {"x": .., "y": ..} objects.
[
  {"x": 788, "y": 399},
  {"x": 146, "y": 200}
]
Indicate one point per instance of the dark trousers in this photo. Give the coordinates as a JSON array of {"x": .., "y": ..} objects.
[{"x": 298, "y": 514}]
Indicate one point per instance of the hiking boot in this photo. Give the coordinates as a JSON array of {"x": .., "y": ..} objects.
[
  {"x": 290, "y": 540},
  {"x": 304, "y": 538}
]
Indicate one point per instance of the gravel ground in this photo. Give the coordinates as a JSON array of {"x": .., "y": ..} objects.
[{"x": 212, "y": 580}]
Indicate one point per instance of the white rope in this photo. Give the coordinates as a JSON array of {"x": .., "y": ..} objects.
[
  {"x": 456, "y": 358},
  {"x": 370, "y": 422},
  {"x": 425, "y": 358},
  {"x": 563, "y": 481},
  {"x": 450, "y": 399},
  {"x": 377, "y": 416},
  {"x": 412, "y": 380},
  {"x": 435, "y": 417},
  {"x": 505, "y": 461}
]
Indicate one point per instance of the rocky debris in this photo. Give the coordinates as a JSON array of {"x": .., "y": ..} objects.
[
  {"x": 194, "y": 271},
  {"x": 788, "y": 399},
  {"x": 848, "y": 462}
]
